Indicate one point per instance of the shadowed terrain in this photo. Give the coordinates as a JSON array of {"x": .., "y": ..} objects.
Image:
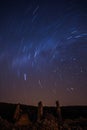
[{"x": 72, "y": 116}]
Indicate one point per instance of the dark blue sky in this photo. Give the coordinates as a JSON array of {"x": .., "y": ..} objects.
[{"x": 43, "y": 51}]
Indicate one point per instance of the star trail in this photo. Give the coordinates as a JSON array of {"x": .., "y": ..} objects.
[{"x": 43, "y": 51}]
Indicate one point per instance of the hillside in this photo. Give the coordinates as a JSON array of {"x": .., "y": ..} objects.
[{"x": 7, "y": 111}]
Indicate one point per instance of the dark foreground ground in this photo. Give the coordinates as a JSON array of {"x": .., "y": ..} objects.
[{"x": 73, "y": 118}]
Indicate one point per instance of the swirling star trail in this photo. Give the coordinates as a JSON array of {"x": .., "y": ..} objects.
[{"x": 43, "y": 51}]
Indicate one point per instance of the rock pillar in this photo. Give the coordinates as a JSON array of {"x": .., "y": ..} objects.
[
  {"x": 40, "y": 111},
  {"x": 17, "y": 112},
  {"x": 58, "y": 111}
]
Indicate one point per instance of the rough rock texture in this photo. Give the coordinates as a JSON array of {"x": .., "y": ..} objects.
[{"x": 23, "y": 121}]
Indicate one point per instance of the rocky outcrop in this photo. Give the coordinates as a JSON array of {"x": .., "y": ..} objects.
[
  {"x": 5, "y": 125},
  {"x": 49, "y": 123},
  {"x": 40, "y": 111},
  {"x": 23, "y": 120}
]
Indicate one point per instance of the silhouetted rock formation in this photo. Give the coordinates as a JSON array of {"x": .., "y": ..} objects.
[
  {"x": 21, "y": 118},
  {"x": 40, "y": 111},
  {"x": 17, "y": 112},
  {"x": 58, "y": 112},
  {"x": 41, "y": 118}
]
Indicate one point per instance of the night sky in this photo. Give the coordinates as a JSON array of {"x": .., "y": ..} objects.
[{"x": 43, "y": 51}]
